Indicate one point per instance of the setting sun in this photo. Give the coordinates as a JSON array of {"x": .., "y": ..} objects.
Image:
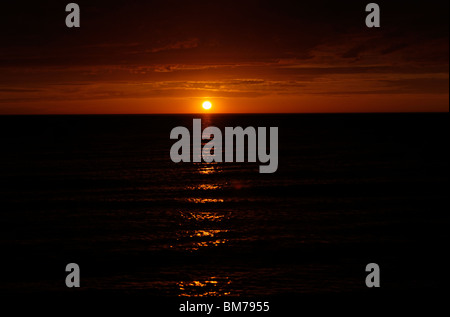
[{"x": 207, "y": 105}]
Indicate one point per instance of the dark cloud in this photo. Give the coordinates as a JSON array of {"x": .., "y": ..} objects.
[
  {"x": 419, "y": 85},
  {"x": 127, "y": 32}
]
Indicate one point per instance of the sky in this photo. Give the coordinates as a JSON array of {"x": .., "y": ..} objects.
[{"x": 247, "y": 56}]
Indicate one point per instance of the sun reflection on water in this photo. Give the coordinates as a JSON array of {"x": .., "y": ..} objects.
[
  {"x": 204, "y": 200},
  {"x": 213, "y": 287},
  {"x": 209, "y": 168},
  {"x": 206, "y": 187},
  {"x": 201, "y": 230},
  {"x": 204, "y": 216},
  {"x": 207, "y": 233},
  {"x": 208, "y": 238}
]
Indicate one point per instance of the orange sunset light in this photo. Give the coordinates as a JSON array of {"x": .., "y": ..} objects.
[{"x": 157, "y": 57}]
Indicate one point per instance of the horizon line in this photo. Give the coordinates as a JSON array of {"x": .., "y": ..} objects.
[{"x": 218, "y": 113}]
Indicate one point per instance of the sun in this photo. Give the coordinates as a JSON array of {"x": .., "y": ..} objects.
[{"x": 207, "y": 105}]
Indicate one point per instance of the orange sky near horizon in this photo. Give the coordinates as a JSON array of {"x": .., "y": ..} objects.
[
  {"x": 244, "y": 56},
  {"x": 306, "y": 104}
]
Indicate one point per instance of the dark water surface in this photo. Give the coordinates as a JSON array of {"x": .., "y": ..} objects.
[{"x": 101, "y": 191}]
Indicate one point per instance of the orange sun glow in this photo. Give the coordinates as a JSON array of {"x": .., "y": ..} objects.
[{"x": 207, "y": 105}]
